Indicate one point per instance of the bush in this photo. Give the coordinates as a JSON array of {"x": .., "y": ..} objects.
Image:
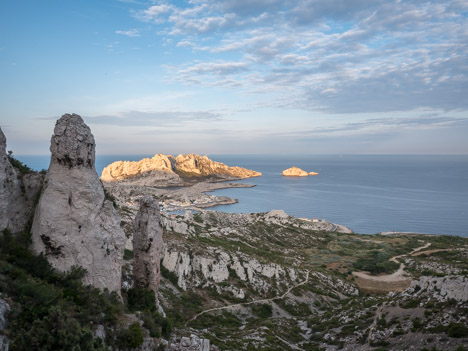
[
  {"x": 58, "y": 330},
  {"x": 128, "y": 255},
  {"x": 263, "y": 310},
  {"x": 157, "y": 325},
  {"x": 51, "y": 310},
  {"x": 376, "y": 263},
  {"x": 457, "y": 330},
  {"x": 20, "y": 166},
  {"x": 140, "y": 299},
  {"x": 131, "y": 338},
  {"x": 167, "y": 274}
]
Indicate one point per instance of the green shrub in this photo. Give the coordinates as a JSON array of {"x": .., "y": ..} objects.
[
  {"x": 167, "y": 274},
  {"x": 20, "y": 166},
  {"x": 51, "y": 310},
  {"x": 140, "y": 299},
  {"x": 376, "y": 263},
  {"x": 130, "y": 338},
  {"x": 58, "y": 330},
  {"x": 263, "y": 310},
  {"x": 411, "y": 303},
  {"x": 457, "y": 330},
  {"x": 128, "y": 255},
  {"x": 156, "y": 324}
]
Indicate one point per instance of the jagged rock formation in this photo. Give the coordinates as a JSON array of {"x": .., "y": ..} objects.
[
  {"x": 74, "y": 225},
  {"x": 147, "y": 245},
  {"x": 17, "y": 192},
  {"x": 295, "y": 172},
  {"x": 313, "y": 173},
  {"x": 169, "y": 170}
]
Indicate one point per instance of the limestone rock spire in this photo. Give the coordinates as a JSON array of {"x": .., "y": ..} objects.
[
  {"x": 74, "y": 225},
  {"x": 147, "y": 245}
]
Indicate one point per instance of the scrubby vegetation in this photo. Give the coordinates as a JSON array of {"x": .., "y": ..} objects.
[
  {"x": 20, "y": 166},
  {"x": 56, "y": 311}
]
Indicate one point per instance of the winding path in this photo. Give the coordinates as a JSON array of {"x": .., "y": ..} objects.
[
  {"x": 250, "y": 302},
  {"x": 399, "y": 275}
]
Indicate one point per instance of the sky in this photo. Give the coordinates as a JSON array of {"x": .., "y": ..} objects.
[{"x": 238, "y": 76}]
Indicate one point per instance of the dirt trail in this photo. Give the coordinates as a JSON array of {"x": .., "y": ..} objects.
[
  {"x": 399, "y": 275},
  {"x": 430, "y": 252},
  {"x": 250, "y": 302},
  {"x": 378, "y": 314}
]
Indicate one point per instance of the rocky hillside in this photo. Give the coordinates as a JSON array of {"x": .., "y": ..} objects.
[
  {"x": 270, "y": 281},
  {"x": 208, "y": 280},
  {"x": 169, "y": 170}
]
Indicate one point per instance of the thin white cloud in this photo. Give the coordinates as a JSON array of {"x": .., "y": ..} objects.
[
  {"x": 129, "y": 33},
  {"x": 334, "y": 56}
]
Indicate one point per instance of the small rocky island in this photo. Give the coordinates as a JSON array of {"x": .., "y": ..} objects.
[{"x": 297, "y": 172}]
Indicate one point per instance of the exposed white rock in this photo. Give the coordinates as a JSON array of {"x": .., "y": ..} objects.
[
  {"x": 74, "y": 225},
  {"x": 441, "y": 288},
  {"x": 194, "y": 343},
  {"x": 213, "y": 268},
  {"x": 147, "y": 245}
]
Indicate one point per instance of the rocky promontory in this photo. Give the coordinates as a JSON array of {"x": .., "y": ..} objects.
[
  {"x": 297, "y": 172},
  {"x": 167, "y": 170}
]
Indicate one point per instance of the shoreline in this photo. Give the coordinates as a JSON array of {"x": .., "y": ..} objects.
[{"x": 195, "y": 198}]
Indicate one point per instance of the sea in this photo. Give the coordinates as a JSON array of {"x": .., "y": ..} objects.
[{"x": 368, "y": 193}]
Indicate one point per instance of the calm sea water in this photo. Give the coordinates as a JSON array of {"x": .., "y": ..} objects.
[{"x": 368, "y": 193}]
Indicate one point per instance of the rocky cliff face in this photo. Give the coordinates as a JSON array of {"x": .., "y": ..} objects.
[
  {"x": 169, "y": 170},
  {"x": 74, "y": 225},
  {"x": 17, "y": 192},
  {"x": 202, "y": 165},
  {"x": 147, "y": 245}
]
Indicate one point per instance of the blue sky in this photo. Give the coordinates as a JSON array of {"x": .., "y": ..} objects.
[{"x": 265, "y": 76}]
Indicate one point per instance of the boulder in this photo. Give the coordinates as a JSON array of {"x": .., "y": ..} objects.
[{"x": 74, "y": 224}]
